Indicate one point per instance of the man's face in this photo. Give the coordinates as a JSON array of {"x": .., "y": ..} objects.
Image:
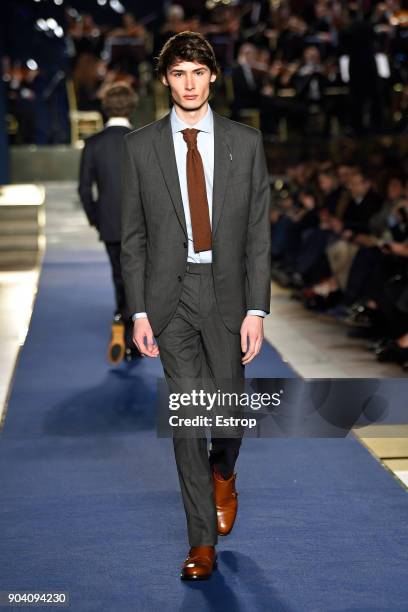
[
  {"x": 189, "y": 84},
  {"x": 395, "y": 189},
  {"x": 358, "y": 186},
  {"x": 326, "y": 183},
  {"x": 344, "y": 173},
  {"x": 311, "y": 55}
]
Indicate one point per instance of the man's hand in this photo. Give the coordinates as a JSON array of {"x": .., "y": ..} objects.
[
  {"x": 399, "y": 248},
  {"x": 142, "y": 331},
  {"x": 364, "y": 240},
  {"x": 251, "y": 337}
]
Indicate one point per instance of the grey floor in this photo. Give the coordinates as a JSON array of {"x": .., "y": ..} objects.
[{"x": 317, "y": 346}]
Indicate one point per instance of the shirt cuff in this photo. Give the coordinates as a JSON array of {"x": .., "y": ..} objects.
[
  {"x": 258, "y": 313},
  {"x": 139, "y": 315}
]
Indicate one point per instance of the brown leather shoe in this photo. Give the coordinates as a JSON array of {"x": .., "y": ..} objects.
[
  {"x": 117, "y": 346},
  {"x": 226, "y": 502},
  {"x": 200, "y": 563}
]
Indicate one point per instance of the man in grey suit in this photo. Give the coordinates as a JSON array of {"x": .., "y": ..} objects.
[{"x": 196, "y": 267}]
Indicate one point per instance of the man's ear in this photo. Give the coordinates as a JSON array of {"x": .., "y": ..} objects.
[
  {"x": 213, "y": 77},
  {"x": 164, "y": 81}
]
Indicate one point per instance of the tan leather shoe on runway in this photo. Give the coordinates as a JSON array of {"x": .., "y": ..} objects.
[
  {"x": 226, "y": 502},
  {"x": 200, "y": 563},
  {"x": 117, "y": 346}
]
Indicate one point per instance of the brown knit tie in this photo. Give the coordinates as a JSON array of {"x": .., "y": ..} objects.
[{"x": 197, "y": 194}]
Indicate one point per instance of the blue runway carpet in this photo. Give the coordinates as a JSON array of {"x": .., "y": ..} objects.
[{"x": 90, "y": 497}]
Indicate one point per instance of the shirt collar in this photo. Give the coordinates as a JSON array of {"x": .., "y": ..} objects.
[
  {"x": 204, "y": 125},
  {"x": 122, "y": 121}
]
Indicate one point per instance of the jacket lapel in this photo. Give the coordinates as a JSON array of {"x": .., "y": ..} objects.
[
  {"x": 163, "y": 144},
  {"x": 222, "y": 166}
]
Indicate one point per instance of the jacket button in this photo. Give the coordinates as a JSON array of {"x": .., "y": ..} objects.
[
  {"x": 180, "y": 278},
  {"x": 185, "y": 245}
]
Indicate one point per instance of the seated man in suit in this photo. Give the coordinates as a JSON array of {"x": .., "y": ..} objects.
[
  {"x": 245, "y": 80},
  {"x": 100, "y": 168},
  {"x": 196, "y": 265}
]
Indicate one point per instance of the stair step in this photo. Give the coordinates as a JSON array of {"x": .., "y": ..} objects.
[
  {"x": 19, "y": 212},
  {"x": 22, "y": 218},
  {"x": 18, "y": 227},
  {"x": 10, "y": 260},
  {"x": 25, "y": 242}
]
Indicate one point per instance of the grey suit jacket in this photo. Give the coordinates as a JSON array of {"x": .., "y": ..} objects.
[{"x": 154, "y": 235}]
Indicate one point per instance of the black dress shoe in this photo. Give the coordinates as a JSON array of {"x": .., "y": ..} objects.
[
  {"x": 392, "y": 352},
  {"x": 297, "y": 281},
  {"x": 377, "y": 344},
  {"x": 362, "y": 316},
  {"x": 320, "y": 303},
  {"x": 281, "y": 277},
  {"x": 131, "y": 354},
  {"x": 314, "y": 302}
]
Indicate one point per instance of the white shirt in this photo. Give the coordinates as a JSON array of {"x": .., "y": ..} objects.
[{"x": 122, "y": 121}]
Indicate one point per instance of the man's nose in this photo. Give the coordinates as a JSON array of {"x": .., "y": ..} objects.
[{"x": 189, "y": 83}]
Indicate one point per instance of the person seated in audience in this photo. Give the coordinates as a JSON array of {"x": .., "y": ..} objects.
[
  {"x": 310, "y": 80},
  {"x": 379, "y": 256},
  {"x": 383, "y": 315},
  {"x": 322, "y": 25},
  {"x": 86, "y": 35},
  {"x": 225, "y": 20},
  {"x": 309, "y": 264},
  {"x": 295, "y": 224},
  {"x": 342, "y": 245},
  {"x": 175, "y": 21},
  {"x": 325, "y": 253},
  {"x": 273, "y": 105},
  {"x": 300, "y": 217},
  {"x": 292, "y": 39},
  {"x": 332, "y": 192},
  {"x": 88, "y": 75},
  {"x": 245, "y": 80},
  {"x": 131, "y": 28},
  {"x": 363, "y": 204}
]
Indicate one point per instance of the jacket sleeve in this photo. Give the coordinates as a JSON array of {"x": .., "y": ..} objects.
[
  {"x": 258, "y": 244},
  {"x": 87, "y": 177},
  {"x": 133, "y": 249}
]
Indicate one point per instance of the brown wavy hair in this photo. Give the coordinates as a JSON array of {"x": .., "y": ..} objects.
[
  {"x": 119, "y": 100},
  {"x": 188, "y": 47}
]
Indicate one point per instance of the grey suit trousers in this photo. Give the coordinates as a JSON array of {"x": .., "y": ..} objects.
[{"x": 196, "y": 345}]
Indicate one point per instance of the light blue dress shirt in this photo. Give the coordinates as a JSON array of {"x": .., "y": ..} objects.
[{"x": 205, "y": 145}]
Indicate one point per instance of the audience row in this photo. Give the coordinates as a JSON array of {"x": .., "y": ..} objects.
[{"x": 341, "y": 244}]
